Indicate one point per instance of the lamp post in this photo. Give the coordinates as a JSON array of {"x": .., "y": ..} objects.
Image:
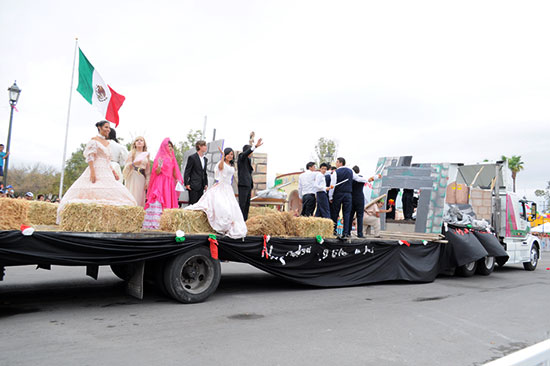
[{"x": 14, "y": 97}]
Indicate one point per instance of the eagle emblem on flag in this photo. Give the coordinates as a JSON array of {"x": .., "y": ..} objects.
[{"x": 100, "y": 93}]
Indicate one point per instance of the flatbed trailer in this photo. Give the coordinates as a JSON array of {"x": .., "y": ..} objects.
[{"x": 188, "y": 269}]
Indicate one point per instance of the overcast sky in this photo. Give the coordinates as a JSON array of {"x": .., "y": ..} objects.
[{"x": 444, "y": 81}]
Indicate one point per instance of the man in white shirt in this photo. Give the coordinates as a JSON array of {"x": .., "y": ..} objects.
[
  {"x": 307, "y": 189},
  {"x": 372, "y": 218}
]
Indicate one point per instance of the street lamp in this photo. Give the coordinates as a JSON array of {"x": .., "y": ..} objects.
[{"x": 14, "y": 97}]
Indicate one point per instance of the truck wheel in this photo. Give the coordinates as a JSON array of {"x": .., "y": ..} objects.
[
  {"x": 534, "y": 260},
  {"x": 193, "y": 276},
  {"x": 123, "y": 271},
  {"x": 467, "y": 270},
  {"x": 485, "y": 266}
]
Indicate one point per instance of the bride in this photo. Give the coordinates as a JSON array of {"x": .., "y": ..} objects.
[{"x": 219, "y": 202}]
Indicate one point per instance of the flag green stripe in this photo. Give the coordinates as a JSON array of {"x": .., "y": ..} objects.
[{"x": 85, "y": 77}]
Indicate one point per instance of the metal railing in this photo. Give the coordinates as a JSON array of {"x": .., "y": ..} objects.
[{"x": 536, "y": 355}]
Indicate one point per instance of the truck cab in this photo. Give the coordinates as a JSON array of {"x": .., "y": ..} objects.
[{"x": 508, "y": 213}]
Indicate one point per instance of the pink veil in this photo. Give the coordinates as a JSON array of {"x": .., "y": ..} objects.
[{"x": 154, "y": 191}]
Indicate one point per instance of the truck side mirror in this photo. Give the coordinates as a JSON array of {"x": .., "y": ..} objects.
[{"x": 533, "y": 211}]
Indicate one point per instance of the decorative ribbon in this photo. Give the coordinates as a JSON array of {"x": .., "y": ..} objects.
[
  {"x": 213, "y": 246},
  {"x": 401, "y": 242},
  {"x": 264, "y": 250},
  {"x": 320, "y": 239}
]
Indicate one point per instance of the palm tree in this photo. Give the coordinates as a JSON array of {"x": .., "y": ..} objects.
[{"x": 515, "y": 165}]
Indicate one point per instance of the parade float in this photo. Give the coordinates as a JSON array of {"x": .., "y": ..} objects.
[{"x": 182, "y": 258}]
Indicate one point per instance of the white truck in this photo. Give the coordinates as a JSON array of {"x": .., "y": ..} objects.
[
  {"x": 489, "y": 194},
  {"x": 453, "y": 199}
]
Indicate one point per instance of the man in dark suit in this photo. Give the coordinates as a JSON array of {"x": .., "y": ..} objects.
[
  {"x": 194, "y": 176},
  {"x": 357, "y": 203},
  {"x": 342, "y": 181},
  {"x": 323, "y": 180},
  {"x": 244, "y": 166}
]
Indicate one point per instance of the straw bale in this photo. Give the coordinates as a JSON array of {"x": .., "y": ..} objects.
[
  {"x": 102, "y": 218},
  {"x": 312, "y": 226},
  {"x": 285, "y": 224},
  {"x": 42, "y": 213},
  {"x": 14, "y": 213},
  {"x": 290, "y": 223},
  {"x": 270, "y": 224},
  {"x": 190, "y": 221},
  {"x": 257, "y": 211}
]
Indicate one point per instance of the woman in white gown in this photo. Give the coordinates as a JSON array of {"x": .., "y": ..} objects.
[
  {"x": 137, "y": 170},
  {"x": 98, "y": 183},
  {"x": 219, "y": 202}
]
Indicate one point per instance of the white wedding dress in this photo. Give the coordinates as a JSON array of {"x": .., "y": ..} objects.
[{"x": 221, "y": 206}]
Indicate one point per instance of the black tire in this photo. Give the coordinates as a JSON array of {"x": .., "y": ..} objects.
[
  {"x": 534, "y": 259},
  {"x": 193, "y": 276},
  {"x": 123, "y": 271},
  {"x": 467, "y": 270},
  {"x": 485, "y": 266}
]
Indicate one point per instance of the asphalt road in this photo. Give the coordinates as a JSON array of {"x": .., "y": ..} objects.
[{"x": 61, "y": 317}]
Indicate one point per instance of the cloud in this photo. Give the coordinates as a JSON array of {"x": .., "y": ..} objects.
[{"x": 457, "y": 82}]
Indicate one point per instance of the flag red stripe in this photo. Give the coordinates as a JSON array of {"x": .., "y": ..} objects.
[{"x": 114, "y": 105}]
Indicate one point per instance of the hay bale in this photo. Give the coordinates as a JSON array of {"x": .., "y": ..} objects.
[
  {"x": 290, "y": 223},
  {"x": 285, "y": 224},
  {"x": 102, "y": 218},
  {"x": 14, "y": 213},
  {"x": 308, "y": 227},
  {"x": 257, "y": 211},
  {"x": 190, "y": 221},
  {"x": 42, "y": 213},
  {"x": 270, "y": 224}
]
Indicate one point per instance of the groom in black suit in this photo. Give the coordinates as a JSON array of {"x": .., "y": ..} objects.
[
  {"x": 246, "y": 183},
  {"x": 194, "y": 176}
]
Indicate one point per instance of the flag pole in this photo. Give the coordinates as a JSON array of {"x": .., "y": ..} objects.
[{"x": 67, "y": 127}]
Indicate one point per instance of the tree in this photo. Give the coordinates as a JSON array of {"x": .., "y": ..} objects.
[
  {"x": 38, "y": 179},
  {"x": 544, "y": 193},
  {"x": 74, "y": 167},
  {"x": 181, "y": 147},
  {"x": 515, "y": 165},
  {"x": 325, "y": 151}
]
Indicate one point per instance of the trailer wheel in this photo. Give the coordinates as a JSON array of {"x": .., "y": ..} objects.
[
  {"x": 193, "y": 276},
  {"x": 534, "y": 259},
  {"x": 467, "y": 270},
  {"x": 123, "y": 271},
  {"x": 485, "y": 266}
]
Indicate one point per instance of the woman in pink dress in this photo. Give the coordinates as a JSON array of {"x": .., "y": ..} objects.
[
  {"x": 162, "y": 192},
  {"x": 98, "y": 183}
]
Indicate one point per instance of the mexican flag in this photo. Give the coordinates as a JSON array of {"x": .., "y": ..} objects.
[{"x": 92, "y": 87}]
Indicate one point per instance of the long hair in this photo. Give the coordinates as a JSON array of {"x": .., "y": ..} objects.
[
  {"x": 112, "y": 135},
  {"x": 133, "y": 150},
  {"x": 226, "y": 152}
]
